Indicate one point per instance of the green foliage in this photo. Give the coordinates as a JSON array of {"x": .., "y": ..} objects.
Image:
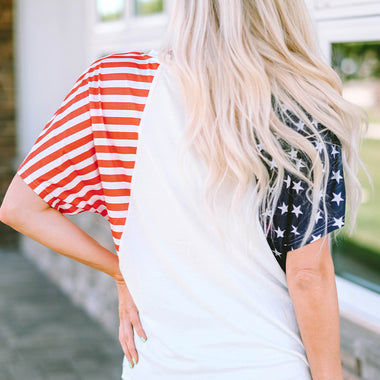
[
  {"x": 147, "y": 7},
  {"x": 368, "y": 222},
  {"x": 356, "y": 60}
]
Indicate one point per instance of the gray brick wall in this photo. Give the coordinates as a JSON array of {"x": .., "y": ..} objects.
[
  {"x": 88, "y": 288},
  {"x": 360, "y": 351}
]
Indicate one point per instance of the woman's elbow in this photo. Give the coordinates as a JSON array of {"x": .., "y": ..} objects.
[
  {"x": 308, "y": 279},
  {"x": 8, "y": 212},
  {"x": 19, "y": 202},
  {"x": 310, "y": 266}
]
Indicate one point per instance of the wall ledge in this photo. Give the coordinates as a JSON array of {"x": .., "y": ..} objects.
[{"x": 358, "y": 304}]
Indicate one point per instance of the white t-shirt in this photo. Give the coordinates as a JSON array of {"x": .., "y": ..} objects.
[{"x": 210, "y": 309}]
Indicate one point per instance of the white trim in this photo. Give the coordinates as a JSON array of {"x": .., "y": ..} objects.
[
  {"x": 358, "y": 304},
  {"x": 149, "y": 20},
  {"x": 339, "y": 9}
]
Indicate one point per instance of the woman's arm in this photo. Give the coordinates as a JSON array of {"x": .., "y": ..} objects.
[
  {"x": 27, "y": 213},
  {"x": 311, "y": 282}
]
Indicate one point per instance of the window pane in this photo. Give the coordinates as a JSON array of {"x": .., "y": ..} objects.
[
  {"x": 147, "y": 7},
  {"x": 110, "y": 10},
  {"x": 358, "y": 257}
]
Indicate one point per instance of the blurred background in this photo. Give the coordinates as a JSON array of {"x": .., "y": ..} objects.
[{"x": 58, "y": 318}]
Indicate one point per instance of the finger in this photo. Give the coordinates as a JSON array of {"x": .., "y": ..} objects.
[
  {"x": 131, "y": 342},
  {"x": 136, "y": 322},
  {"x": 123, "y": 342}
]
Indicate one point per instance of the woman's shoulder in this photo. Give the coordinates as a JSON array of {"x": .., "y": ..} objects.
[
  {"x": 114, "y": 66},
  {"x": 129, "y": 56}
]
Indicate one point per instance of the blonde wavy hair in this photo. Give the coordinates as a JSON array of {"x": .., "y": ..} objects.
[{"x": 231, "y": 58}]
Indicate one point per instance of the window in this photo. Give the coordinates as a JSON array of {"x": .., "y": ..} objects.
[
  {"x": 110, "y": 10},
  {"x": 148, "y": 7},
  {"x": 117, "y": 26},
  {"x": 357, "y": 258}
]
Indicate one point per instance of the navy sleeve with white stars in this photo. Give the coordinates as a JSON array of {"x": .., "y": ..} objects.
[{"x": 293, "y": 209}]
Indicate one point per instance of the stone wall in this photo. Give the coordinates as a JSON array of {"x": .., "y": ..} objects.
[
  {"x": 7, "y": 111},
  {"x": 92, "y": 290},
  {"x": 360, "y": 351}
]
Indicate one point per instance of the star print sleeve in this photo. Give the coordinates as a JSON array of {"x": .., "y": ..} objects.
[{"x": 293, "y": 210}]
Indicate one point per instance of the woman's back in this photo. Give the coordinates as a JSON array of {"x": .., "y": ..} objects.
[{"x": 211, "y": 310}]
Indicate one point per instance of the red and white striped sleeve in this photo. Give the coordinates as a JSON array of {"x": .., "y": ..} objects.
[
  {"x": 61, "y": 166},
  {"x": 83, "y": 160}
]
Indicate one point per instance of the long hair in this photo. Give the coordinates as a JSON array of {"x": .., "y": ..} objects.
[{"x": 232, "y": 58}]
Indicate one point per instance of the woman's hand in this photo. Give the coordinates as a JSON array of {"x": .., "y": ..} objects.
[{"x": 129, "y": 320}]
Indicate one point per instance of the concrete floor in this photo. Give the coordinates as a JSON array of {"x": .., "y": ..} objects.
[{"x": 43, "y": 336}]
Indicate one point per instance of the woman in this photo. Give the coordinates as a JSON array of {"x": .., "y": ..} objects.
[{"x": 219, "y": 164}]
